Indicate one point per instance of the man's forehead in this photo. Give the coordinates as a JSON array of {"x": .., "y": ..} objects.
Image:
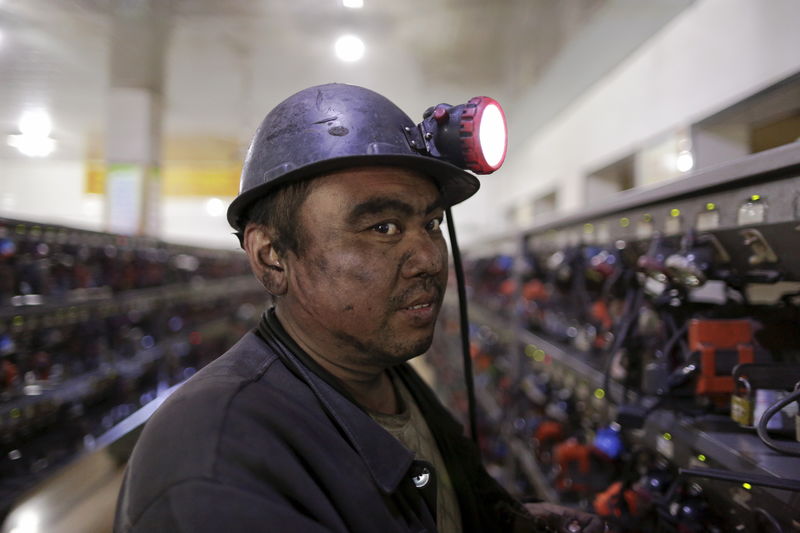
[{"x": 381, "y": 180}]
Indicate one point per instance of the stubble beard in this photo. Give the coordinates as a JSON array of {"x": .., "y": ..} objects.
[
  {"x": 387, "y": 351},
  {"x": 387, "y": 348}
]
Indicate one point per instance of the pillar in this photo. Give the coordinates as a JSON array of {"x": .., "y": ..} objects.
[{"x": 139, "y": 34}]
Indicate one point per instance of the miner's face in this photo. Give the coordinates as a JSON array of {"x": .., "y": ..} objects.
[{"x": 369, "y": 282}]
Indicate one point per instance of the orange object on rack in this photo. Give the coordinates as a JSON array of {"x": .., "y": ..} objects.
[
  {"x": 535, "y": 291},
  {"x": 601, "y": 314},
  {"x": 710, "y": 338},
  {"x": 608, "y": 504},
  {"x": 507, "y": 287},
  {"x": 567, "y": 455},
  {"x": 549, "y": 431}
]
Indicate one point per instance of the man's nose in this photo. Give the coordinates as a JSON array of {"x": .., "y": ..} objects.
[{"x": 426, "y": 255}]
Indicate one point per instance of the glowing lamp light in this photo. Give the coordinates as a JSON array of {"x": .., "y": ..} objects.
[
  {"x": 685, "y": 161},
  {"x": 599, "y": 394},
  {"x": 472, "y": 135},
  {"x": 493, "y": 134},
  {"x": 353, "y": 4},
  {"x": 349, "y": 48}
]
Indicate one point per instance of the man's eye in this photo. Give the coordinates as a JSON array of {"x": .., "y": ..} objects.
[
  {"x": 386, "y": 228},
  {"x": 435, "y": 224}
]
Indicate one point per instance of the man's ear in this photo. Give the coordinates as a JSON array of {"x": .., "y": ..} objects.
[{"x": 264, "y": 260}]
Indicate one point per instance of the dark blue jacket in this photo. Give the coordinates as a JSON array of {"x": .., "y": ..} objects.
[{"x": 257, "y": 441}]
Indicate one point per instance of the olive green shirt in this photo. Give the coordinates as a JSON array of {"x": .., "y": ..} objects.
[{"x": 410, "y": 428}]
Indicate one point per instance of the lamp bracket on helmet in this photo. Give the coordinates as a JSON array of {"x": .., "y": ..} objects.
[{"x": 472, "y": 136}]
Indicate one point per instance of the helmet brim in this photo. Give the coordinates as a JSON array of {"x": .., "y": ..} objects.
[{"x": 455, "y": 184}]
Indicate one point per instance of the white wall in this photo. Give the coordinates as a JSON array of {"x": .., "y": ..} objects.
[
  {"x": 712, "y": 55},
  {"x": 48, "y": 190},
  {"x": 186, "y": 220},
  {"x": 52, "y": 191}
]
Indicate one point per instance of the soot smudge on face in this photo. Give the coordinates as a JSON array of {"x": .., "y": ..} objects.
[{"x": 321, "y": 263}]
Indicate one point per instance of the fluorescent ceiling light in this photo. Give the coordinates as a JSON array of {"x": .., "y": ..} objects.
[
  {"x": 215, "y": 207},
  {"x": 31, "y": 145},
  {"x": 35, "y": 123},
  {"x": 353, "y": 4},
  {"x": 684, "y": 162},
  {"x": 349, "y": 48},
  {"x": 35, "y": 127}
]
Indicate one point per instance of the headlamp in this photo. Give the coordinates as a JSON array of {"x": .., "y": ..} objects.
[{"x": 472, "y": 136}]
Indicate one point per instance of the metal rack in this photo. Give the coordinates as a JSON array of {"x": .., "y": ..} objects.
[
  {"x": 760, "y": 192},
  {"x": 146, "y": 332}
]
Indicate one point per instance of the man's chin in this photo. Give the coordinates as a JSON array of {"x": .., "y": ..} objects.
[{"x": 419, "y": 348}]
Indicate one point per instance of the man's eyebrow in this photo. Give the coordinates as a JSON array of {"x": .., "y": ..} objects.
[
  {"x": 375, "y": 206},
  {"x": 436, "y": 204}
]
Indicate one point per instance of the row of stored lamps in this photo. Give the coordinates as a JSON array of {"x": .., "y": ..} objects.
[{"x": 35, "y": 126}]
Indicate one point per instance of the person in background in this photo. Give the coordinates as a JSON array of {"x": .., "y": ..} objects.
[{"x": 314, "y": 421}]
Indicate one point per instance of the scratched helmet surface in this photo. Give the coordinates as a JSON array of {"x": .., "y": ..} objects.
[{"x": 332, "y": 127}]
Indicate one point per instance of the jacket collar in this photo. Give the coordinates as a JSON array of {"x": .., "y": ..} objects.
[{"x": 387, "y": 460}]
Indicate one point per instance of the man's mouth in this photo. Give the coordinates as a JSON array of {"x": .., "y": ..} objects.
[{"x": 419, "y": 298}]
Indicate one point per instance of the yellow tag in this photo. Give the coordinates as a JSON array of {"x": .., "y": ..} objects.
[{"x": 742, "y": 410}]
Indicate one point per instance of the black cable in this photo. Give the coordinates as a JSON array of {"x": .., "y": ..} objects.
[
  {"x": 771, "y": 411},
  {"x": 629, "y": 317},
  {"x": 616, "y": 274},
  {"x": 677, "y": 335},
  {"x": 464, "y": 320},
  {"x": 581, "y": 299}
]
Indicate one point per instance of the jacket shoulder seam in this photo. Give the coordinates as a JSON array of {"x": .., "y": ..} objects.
[{"x": 268, "y": 362}]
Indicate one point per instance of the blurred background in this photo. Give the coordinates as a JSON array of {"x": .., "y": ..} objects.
[
  {"x": 180, "y": 86},
  {"x": 124, "y": 124}
]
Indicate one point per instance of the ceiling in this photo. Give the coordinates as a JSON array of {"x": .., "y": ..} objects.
[{"x": 224, "y": 63}]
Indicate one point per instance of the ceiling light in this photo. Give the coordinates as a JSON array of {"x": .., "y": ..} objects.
[
  {"x": 34, "y": 141},
  {"x": 684, "y": 162},
  {"x": 215, "y": 207},
  {"x": 353, "y": 4},
  {"x": 36, "y": 123},
  {"x": 349, "y": 48},
  {"x": 32, "y": 145}
]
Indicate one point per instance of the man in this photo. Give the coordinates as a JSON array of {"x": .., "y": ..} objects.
[{"x": 314, "y": 422}]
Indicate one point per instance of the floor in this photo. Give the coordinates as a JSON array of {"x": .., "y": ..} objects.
[{"x": 79, "y": 499}]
